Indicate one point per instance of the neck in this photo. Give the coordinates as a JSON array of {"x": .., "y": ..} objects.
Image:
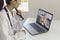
[{"x": 9, "y": 7}]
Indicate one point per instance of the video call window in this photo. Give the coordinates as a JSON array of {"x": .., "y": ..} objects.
[{"x": 44, "y": 19}]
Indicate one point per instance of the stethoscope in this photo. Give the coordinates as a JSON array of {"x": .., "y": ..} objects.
[
  {"x": 9, "y": 17},
  {"x": 18, "y": 14}
]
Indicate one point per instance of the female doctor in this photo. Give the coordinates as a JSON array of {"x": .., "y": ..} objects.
[{"x": 7, "y": 21}]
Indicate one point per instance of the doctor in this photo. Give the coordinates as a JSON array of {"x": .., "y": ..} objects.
[{"x": 8, "y": 22}]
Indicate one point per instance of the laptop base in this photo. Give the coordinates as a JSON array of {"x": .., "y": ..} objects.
[{"x": 32, "y": 30}]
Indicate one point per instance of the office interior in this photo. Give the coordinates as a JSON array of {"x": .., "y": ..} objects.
[{"x": 52, "y": 6}]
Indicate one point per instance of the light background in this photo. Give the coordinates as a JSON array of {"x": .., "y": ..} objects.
[
  {"x": 23, "y": 0},
  {"x": 52, "y": 6}
]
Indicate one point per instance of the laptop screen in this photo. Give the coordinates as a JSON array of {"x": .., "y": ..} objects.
[{"x": 44, "y": 18}]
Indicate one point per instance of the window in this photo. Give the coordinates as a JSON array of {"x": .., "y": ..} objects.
[{"x": 24, "y": 6}]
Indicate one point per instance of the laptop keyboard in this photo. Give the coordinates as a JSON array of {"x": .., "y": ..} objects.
[{"x": 36, "y": 27}]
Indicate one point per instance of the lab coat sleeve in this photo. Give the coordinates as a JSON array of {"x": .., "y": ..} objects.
[
  {"x": 2, "y": 36},
  {"x": 4, "y": 25}
]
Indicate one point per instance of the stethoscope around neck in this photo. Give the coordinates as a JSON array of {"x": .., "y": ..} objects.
[
  {"x": 12, "y": 15},
  {"x": 8, "y": 16}
]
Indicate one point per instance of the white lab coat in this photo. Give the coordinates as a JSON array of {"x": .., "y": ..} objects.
[
  {"x": 2, "y": 36},
  {"x": 5, "y": 24}
]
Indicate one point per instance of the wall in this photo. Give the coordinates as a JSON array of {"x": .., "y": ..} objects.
[{"x": 52, "y": 6}]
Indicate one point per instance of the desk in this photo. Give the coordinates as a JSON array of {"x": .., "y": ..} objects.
[{"x": 53, "y": 34}]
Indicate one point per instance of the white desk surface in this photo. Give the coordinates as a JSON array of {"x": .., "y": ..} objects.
[{"x": 53, "y": 34}]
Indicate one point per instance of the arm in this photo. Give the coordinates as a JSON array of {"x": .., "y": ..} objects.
[
  {"x": 2, "y": 36},
  {"x": 18, "y": 12}
]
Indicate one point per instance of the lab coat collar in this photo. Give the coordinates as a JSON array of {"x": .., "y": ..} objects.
[{"x": 9, "y": 12}]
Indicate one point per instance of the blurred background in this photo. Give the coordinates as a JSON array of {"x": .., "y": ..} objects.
[{"x": 30, "y": 7}]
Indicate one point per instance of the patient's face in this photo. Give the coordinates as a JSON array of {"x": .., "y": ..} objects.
[{"x": 42, "y": 20}]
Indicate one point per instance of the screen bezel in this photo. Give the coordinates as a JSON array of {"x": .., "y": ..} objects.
[{"x": 50, "y": 20}]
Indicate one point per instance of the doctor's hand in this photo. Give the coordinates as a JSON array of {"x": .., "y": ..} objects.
[{"x": 19, "y": 12}]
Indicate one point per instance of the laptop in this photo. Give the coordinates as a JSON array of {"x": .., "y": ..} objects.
[{"x": 42, "y": 24}]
